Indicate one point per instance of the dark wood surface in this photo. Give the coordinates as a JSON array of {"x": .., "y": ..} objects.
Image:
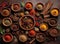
[{"x": 56, "y": 3}]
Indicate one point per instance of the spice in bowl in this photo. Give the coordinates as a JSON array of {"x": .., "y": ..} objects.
[
  {"x": 28, "y": 5},
  {"x": 7, "y": 21},
  {"x": 32, "y": 33},
  {"x": 14, "y": 27},
  {"x": 39, "y": 6},
  {"x": 5, "y": 12},
  {"x": 53, "y": 32},
  {"x": 43, "y": 27},
  {"x": 15, "y": 7},
  {"x": 22, "y": 38},
  {"x": 52, "y": 22},
  {"x": 40, "y": 37},
  {"x": 54, "y": 12},
  {"x": 7, "y": 37},
  {"x": 27, "y": 22}
]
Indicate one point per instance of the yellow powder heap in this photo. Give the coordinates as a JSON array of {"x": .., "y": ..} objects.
[{"x": 43, "y": 27}]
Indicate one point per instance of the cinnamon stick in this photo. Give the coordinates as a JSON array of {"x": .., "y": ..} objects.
[
  {"x": 32, "y": 41},
  {"x": 47, "y": 7}
]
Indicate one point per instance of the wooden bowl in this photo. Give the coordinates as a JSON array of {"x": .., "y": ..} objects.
[
  {"x": 39, "y": 6},
  {"x": 14, "y": 27},
  {"x": 43, "y": 27},
  {"x": 5, "y": 12},
  {"x": 54, "y": 12},
  {"x": 6, "y": 21},
  {"x": 40, "y": 37},
  {"x": 27, "y": 22},
  {"x": 7, "y": 37},
  {"x": 53, "y": 32},
  {"x": 23, "y": 38},
  {"x": 15, "y": 7},
  {"x": 28, "y": 5},
  {"x": 32, "y": 33},
  {"x": 52, "y": 22}
]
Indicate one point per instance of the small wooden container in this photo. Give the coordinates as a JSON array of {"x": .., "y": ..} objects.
[
  {"x": 27, "y": 21},
  {"x": 5, "y": 12},
  {"x": 52, "y": 22},
  {"x": 40, "y": 37},
  {"x": 7, "y": 37},
  {"x": 22, "y": 38},
  {"x": 15, "y": 7},
  {"x": 54, "y": 12},
  {"x": 53, "y": 32},
  {"x": 32, "y": 33},
  {"x": 39, "y": 6},
  {"x": 43, "y": 27},
  {"x": 28, "y": 5},
  {"x": 6, "y": 21},
  {"x": 14, "y": 27}
]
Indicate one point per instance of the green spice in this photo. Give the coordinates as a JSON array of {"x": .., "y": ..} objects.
[
  {"x": 22, "y": 4},
  {"x": 7, "y": 22},
  {"x": 2, "y": 31}
]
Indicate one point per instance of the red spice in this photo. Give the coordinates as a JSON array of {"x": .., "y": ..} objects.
[
  {"x": 32, "y": 32},
  {"x": 28, "y": 5},
  {"x": 7, "y": 37},
  {"x": 37, "y": 24},
  {"x": 32, "y": 12}
]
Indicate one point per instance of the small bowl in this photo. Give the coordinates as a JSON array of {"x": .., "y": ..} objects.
[
  {"x": 43, "y": 26},
  {"x": 6, "y": 21},
  {"x": 40, "y": 37},
  {"x": 22, "y": 38},
  {"x": 39, "y": 6},
  {"x": 28, "y": 6},
  {"x": 14, "y": 27},
  {"x": 53, "y": 32},
  {"x": 54, "y": 12},
  {"x": 7, "y": 37},
  {"x": 32, "y": 33},
  {"x": 27, "y": 22},
  {"x": 52, "y": 22},
  {"x": 5, "y": 12},
  {"x": 15, "y": 7}
]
